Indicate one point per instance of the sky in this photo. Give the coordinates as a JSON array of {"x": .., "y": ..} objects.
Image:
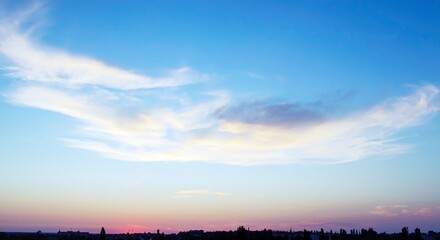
[{"x": 171, "y": 115}]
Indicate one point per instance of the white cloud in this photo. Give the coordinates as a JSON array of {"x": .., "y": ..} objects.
[
  {"x": 198, "y": 192},
  {"x": 190, "y": 193},
  {"x": 33, "y": 62},
  {"x": 405, "y": 210},
  {"x": 195, "y": 134},
  {"x": 113, "y": 124},
  {"x": 193, "y": 192},
  {"x": 222, "y": 194}
]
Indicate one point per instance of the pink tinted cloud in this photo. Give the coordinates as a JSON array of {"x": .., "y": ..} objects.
[{"x": 402, "y": 209}]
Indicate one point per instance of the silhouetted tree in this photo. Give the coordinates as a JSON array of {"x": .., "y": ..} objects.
[
  {"x": 370, "y": 232},
  {"x": 241, "y": 233},
  {"x": 307, "y": 235},
  {"x": 322, "y": 235},
  {"x": 102, "y": 235},
  {"x": 417, "y": 234},
  {"x": 40, "y": 236},
  {"x": 404, "y": 234},
  {"x": 266, "y": 234}
]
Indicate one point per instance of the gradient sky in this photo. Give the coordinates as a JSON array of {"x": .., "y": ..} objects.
[{"x": 172, "y": 115}]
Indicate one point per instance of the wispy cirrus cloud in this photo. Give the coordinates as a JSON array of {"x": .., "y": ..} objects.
[
  {"x": 119, "y": 124},
  {"x": 193, "y": 192},
  {"x": 198, "y": 192},
  {"x": 405, "y": 210},
  {"x": 195, "y": 133},
  {"x": 34, "y": 62},
  {"x": 190, "y": 193},
  {"x": 222, "y": 194}
]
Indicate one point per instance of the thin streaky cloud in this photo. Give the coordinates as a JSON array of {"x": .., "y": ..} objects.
[
  {"x": 182, "y": 196},
  {"x": 405, "y": 210},
  {"x": 193, "y": 192},
  {"x": 190, "y": 193},
  {"x": 215, "y": 129},
  {"x": 30, "y": 61},
  {"x": 222, "y": 194},
  {"x": 198, "y": 192},
  {"x": 196, "y": 134}
]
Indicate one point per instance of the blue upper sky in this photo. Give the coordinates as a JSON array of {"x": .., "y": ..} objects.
[{"x": 183, "y": 115}]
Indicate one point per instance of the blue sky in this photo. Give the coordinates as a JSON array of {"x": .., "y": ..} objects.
[{"x": 163, "y": 114}]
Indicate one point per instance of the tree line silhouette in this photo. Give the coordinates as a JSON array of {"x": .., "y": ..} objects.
[{"x": 241, "y": 233}]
